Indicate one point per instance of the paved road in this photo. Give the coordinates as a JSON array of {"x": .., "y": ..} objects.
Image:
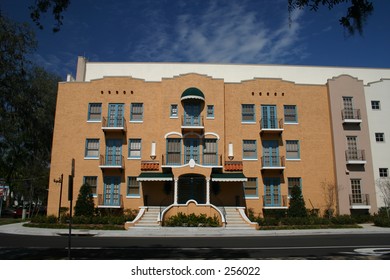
[{"x": 323, "y": 247}]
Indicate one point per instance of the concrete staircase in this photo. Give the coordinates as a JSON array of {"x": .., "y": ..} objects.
[
  {"x": 149, "y": 218},
  {"x": 234, "y": 220}
]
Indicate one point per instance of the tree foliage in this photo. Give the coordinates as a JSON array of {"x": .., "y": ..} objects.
[
  {"x": 297, "y": 206},
  {"x": 56, "y": 7},
  {"x": 85, "y": 205},
  {"x": 354, "y": 18},
  {"x": 27, "y": 105}
]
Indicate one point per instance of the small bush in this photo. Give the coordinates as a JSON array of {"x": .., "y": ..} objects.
[
  {"x": 381, "y": 221},
  {"x": 343, "y": 220},
  {"x": 191, "y": 220}
]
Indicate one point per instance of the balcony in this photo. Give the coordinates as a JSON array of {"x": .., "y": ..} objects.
[
  {"x": 114, "y": 124},
  {"x": 271, "y": 125},
  {"x": 176, "y": 159},
  {"x": 112, "y": 162},
  {"x": 355, "y": 157},
  {"x": 192, "y": 122},
  {"x": 275, "y": 201},
  {"x": 110, "y": 201},
  {"x": 359, "y": 201},
  {"x": 351, "y": 116},
  {"x": 273, "y": 163}
]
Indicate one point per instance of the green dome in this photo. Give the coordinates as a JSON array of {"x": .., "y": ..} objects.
[{"x": 192, "y": 93}]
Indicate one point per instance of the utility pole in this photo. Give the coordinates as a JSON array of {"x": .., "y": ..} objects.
[{"x": 70, "y": 198}]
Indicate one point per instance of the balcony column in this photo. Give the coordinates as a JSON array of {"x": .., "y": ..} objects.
[
  {"x": 175, "y": 190},
  {"x": 207, "y": 190}
]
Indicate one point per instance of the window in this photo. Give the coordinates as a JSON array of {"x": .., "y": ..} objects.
[
  {"x": 375, "y": 105},
  {"x": 248, "y": 113},
  {"x": 174, "y": 111},
  {"x": 292, "y": 149},
  {"x": 249, "y": 149},
  {"x": 136, "y": 112},
  {"x": 132, "y": 186},
  {"x": 92, "y": 148},
  {"x": 379, "y": 137},
  {"x": 94, "y": 111},
  {"x": 272, "y": 197},
  {"x": 356, "y": 191},
  {"x": 92, "y": 182},
  {"x": 210, "y": 150},
  {"x": 250, "y": 188},
  {"x": 210, "y": 111},
  {"x": 292, "y": 182},
  {"x": 173, "y": 151},
  {"x": 383, "y": 172},
  {"x": 290, "y": 114},
  {"x": 134, "y": 148}
]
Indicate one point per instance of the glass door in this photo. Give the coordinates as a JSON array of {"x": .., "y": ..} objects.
[
  {"x": 111, "y": 194},
  {"x": 191, "y": 150},
  {"x": 269, "y": 117}
]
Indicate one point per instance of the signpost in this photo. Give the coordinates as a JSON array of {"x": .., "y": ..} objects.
[{"x": 70, "y": 199}]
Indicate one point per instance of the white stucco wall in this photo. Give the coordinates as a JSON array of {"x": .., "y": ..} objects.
[
  {"x": 231, "y": 73},
  {"x": 378, "y": 121}
]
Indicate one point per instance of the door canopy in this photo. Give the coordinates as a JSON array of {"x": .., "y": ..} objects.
[{"x": 192, "y": 93}]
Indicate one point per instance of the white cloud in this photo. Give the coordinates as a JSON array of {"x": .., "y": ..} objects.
[{"x": 225, "y": 32}]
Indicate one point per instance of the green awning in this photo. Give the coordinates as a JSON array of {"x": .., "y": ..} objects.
[
  {"x": 192, "y": 93},
  {"x": 228, "y": 177},
  {"x": 154, "y": 176}
]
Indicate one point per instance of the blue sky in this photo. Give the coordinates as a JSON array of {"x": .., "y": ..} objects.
[{"x": 215, "y": 31}]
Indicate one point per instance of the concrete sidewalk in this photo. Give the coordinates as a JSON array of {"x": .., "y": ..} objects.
[{"x": 18, "y": 228}]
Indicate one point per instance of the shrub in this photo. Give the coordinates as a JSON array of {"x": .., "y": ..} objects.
[
  {"x": 274, "y": 213},
  {"x": 381, "y": 221},
  {"x": 297, "y": 203},
  {"x": 343, "y": 220},
  {"x": 191, "y": 220},
  {"x": 84, "y": 204}
]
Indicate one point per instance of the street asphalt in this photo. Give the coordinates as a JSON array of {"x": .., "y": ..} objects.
[{"x": 18, "y": 228}]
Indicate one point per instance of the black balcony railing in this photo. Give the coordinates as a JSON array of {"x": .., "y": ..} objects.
[
  {"x": 272, "y": 162},
  {"x": 350, "y": 114},
  {"x": 112, "y": 161},
  {"x": 271, "y": 124},
  {"x": 192, "y": 121},
  {"x": 359, "y": 199},
  {"x": 118, "y": 123},
  {"x": 110, "y": 200},
  {"x": 355, "y": 155},
  {"x": 274, "y": 200},
  {"x": 205, "y": 159}
]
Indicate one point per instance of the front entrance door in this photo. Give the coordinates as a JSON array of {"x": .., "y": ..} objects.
[
  {"x": 111, "y": 194},
  {"x": 192, "y": 186},
  {"x": 191, "y": 150}
]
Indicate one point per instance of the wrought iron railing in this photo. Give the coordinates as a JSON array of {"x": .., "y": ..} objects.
[
  {"x": 275, "y": 200},
  {"x": 355, "y": 155},
  {"x": 350, "y": 114},
  {"x": 110, "y": 200},
  {"x": 112, "y": 161},
  {"x": 272, "y": 161},
  {"x": 116, "y": 122},
  {"x": 193, "y": 121},
  {"x": 359, "y": 199},
  {"x": 271, "y": 123},
  {"x": 205, "y": 159}
]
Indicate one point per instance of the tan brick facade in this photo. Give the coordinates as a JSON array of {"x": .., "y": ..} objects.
[{"x": 215, "y": 182}]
